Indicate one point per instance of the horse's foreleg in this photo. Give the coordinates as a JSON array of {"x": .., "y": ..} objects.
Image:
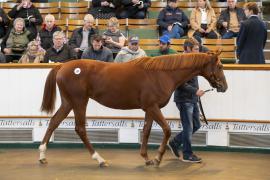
[
  {"x": 81, "y": 131},
  {"x": 58, "y": 117},
  {"x": 158, "y": 117},
  {"x": 146, "y": 132}
]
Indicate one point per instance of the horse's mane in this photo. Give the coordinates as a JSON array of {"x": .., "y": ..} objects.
[{"x": 172, "y": 62}]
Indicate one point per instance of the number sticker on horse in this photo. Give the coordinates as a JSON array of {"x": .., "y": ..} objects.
[{"x": 77, "y": 71}]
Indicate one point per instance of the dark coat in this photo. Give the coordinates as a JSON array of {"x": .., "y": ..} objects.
[
  {"x": 129, "y": 6},
  {"x": 96, "y": 6},
  {"x": 251, "y": 41},
  {"x": 46, "y": 37},
  {"x": 168, "y": 16},
  {"x": 4, "y": 23},
  {"x": 104, "y": 54},
  {"x": 64, "y": 55},
  {"x": 187, "y": 92},
  {"x": 25, "y": 13},
  {"x": 225, "y": 17},
  {"x": 77, "y": 36}
]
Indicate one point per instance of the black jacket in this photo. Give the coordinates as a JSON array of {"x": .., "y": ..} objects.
[
  {"x": 168, "y": 16},
  {"x": 96, "y": 4},
  {"x": 77, "y": 36},
  {"x": 64, "y": 55},
  {"x": 129, "y": 6},
  {"x": 251, "y": 41},
  {"x": 225, "y": 17},
  {"x": 46, "y": 37},
  {"x": 4, "y": 23},
  {"x": 25, "y": 13},
  {"x": 187, "y": 92}
]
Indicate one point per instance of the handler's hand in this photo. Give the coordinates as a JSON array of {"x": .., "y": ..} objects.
[{"x": 200, "y": 92}]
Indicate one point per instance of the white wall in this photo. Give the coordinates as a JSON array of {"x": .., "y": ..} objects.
[{"x": 247, "y": 97}]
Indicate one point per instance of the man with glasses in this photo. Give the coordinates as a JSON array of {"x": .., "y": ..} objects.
[
  {"x": 130, "y": 52},
  {"x": 60, "y": 52},
  {"x": 186, "y": 99},
  {"x": 164, "y": 47}
]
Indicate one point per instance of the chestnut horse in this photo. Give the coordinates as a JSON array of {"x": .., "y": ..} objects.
[{"x": 145, "y": 83}]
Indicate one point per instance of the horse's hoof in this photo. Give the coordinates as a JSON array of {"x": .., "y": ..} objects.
[
  {"x": 43, "y": 161},
  {"x": 104, "y": 164},
  {"x": 156, "y": 162},
  {"x": 149, "y": 163}
]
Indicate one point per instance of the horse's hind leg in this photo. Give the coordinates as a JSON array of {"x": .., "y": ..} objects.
[
  {"x": 156, "y": 114},
  {"x": 58, "y": 117},
  {"x": 146, "y": 132},
  {"x": 81, "y": 131}
]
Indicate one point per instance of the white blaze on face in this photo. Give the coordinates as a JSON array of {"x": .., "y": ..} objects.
[{"x": 77, "y": 71}]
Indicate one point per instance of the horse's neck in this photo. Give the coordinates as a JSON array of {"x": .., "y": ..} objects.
[{"x": 181, "y": 76}]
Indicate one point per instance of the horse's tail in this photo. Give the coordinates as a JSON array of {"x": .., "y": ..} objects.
[{"x": 49, "y": 94}]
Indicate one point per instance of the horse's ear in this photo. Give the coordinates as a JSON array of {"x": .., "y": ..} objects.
[{"x": 218, "y": 51}]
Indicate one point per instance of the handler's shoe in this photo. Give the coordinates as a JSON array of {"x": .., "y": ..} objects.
[
  {"x": 173, "y": 149},
  {"x": 192, "y": 159}
]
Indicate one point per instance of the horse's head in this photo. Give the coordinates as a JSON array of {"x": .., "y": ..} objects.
[{"x": 213, "y": 72}]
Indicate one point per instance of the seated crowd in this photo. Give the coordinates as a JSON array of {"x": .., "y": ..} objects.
[{"x": 24, "y": 42}]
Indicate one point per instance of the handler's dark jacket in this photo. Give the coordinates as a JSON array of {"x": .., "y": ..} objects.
[
  {"x": 168, "y": 16},
  {"x": 225, "y": 17},
  {"x": 187, "y": 92},
  {"x": 77, "y": 36}
]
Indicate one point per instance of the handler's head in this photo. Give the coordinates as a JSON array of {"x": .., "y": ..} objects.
[{"x": 191, "y": 45}]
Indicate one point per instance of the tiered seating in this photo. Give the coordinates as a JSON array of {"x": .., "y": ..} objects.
[
  {"x": 73, "y": 10},
  {"x": 48, "y": 8},
  {"x": 228, "y": 47},
  {"x": 70, "y": 15},
  {"x": 144, "y": 28}
]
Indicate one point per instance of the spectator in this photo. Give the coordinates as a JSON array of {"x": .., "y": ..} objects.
[
  {"x": 186, "y": 99},
  {"x": 32, "y": 54},
  {"x": 172, "y": 20},
  {"x": 230, "y": 19},
  {"x": 104, "y": 9},
  {"x": 81, "y": 37},
  {"x": 2, "y": 58},
  {"x": 47, "y": 30},
  {"x": 15, "y": 42},
  {"x": 164, "y": 47},
  {"x": 4, "y": 22},
  {"x": 203, "y": 21},
  {"x": 97, "y": 51},
  {"x": 252, "y": 37},
  {"x": 135, "y": 9},
  {"x": 130, "y": 52},
  {"x": 113, "y": 37},
  {"x": 31, "y": 15},
  {"x": 60, "y": 52},
  {"x": 202, "y": 48}
]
